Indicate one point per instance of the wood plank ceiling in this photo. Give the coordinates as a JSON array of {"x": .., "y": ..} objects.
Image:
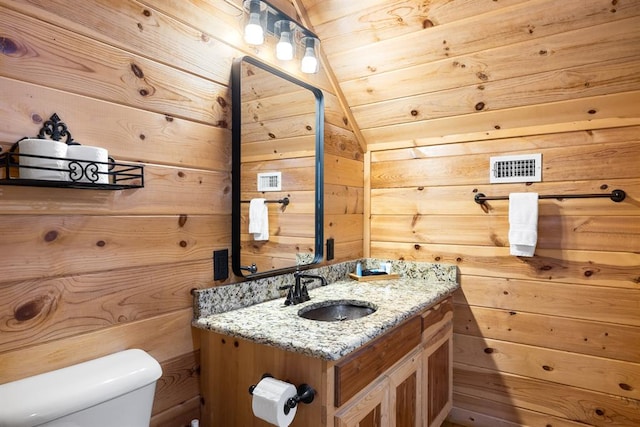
[{"x": 412, "y": 69}]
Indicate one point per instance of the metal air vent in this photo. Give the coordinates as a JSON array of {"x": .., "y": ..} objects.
[
  {"x": 519, "y": 168},
  {"x": 270, "y": 181}
]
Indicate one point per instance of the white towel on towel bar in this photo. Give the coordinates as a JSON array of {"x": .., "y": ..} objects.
[
  {"x": 523, "y": 223},
  {"x": 259, "y": 219}
]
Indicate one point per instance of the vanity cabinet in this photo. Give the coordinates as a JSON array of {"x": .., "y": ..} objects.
[
  {"x": 400, "y": 379},
  {"x": 417, "y": 390}
]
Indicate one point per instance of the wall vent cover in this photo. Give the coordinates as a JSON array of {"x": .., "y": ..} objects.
[
  {"x": 519, "y": 168},
  {"x": 270, "y": 181}
]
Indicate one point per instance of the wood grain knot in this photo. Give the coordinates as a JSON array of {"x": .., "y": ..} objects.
[
  {"x": 183, "y": 244},
  {"x": 547, "y": 368},
  {"x": 482, "y": 76},
  {"x": 272, "y": 136},
  {"x": 36, "y": 118},
  {"x": 416, "y": 247},
  {"x": 137, "y": 71},
  {"x": 427, "y": 23},
  {"x": 489, "y": 350},
  {"x": 625, "y": 387},
  {"x": 221, "y": 101},
  {"x": 592, "y": 111},
  {"x": 29, "y": 310},
  {"x": 101, "y": 243},
  {"x": 479, "y": 106},
  {"x": 599, "y": 411},
  {"x": 414, "y": 113},
  {"x": 51, "y": 236},
  {"x": 8, "y": 46},
  {"x": 588, "y": 273},
  {"x": 182, "y": 220}
]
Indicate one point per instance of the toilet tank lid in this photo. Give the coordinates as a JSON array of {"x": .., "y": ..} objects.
[{"x": 45, "y": 397}]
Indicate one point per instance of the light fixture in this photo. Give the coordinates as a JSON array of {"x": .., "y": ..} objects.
[
  {"x": 253, "y": 32},
  {"x": 264, "y": 21},
  {"x": 284, "y": 48},
  {"x": 309, "y": 62}
]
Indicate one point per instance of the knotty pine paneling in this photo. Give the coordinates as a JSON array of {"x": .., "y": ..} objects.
[
  {"x": 529, "y": 332},
  {"x": 509, "y": 25},
  {"x": 88, "y": 273},
  {"x": 516, "y": 61},
  {"x": 569, "y": 163},
  {"x": 608, "y": 340},
  {"x": 109, "y": 73},
  {"x": 341, "y": 23},
  {"x": 500, "y": 414},
  {"x": 552, "y": 401},
  {"x": 129, "y": 134}
]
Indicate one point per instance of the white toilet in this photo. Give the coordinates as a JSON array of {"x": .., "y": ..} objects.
[{"x": 112, "y": 391}]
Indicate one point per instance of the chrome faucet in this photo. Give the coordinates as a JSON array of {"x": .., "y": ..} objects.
[{"x": 298, "y": 292}]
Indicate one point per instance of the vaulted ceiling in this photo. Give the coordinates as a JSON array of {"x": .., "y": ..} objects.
[{"x": 411, "y": 70}]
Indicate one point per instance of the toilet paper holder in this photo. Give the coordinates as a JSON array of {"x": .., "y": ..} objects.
[{"x": 304, "y": 393}]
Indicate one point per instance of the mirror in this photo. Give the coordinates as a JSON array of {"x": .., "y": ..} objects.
[{"x": 278, "y": 140}]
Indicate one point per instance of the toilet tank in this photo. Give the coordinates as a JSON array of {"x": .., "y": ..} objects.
[{"x": 115, "y": 390}]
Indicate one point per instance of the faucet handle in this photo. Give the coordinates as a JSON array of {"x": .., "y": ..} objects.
[
  {"x": 290, "y": 297},
  {"x": 304, "y": 293}
]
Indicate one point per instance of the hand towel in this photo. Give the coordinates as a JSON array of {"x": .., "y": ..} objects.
[
  {"x": 259, "y": 219},
  {"x": 523, "y": 223}
]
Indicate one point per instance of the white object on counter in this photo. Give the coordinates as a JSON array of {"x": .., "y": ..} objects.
[
  {"x": 269, "y": 398},
  {"x": 43, "y": 147}
]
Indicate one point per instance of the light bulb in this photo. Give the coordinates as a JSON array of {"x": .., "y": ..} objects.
[
  {"x": 253, "y": 33},
  {"x": 284, "y": 48},
  {"x": 309, "y": 63}
]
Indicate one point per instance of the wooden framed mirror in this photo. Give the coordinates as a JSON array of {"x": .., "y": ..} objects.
[{"x": 277, "y": 155}]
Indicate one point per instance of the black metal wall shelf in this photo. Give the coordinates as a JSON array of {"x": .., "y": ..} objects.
[
  {"x": 72, "y": 173},
  {"x": 121, "y": 176}
]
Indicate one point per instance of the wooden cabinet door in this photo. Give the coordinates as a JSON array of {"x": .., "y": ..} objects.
[
  {"x": 370, "y": 408},
  {"x": 438, "y": 380},
  {"x": 405, "y": 392}
]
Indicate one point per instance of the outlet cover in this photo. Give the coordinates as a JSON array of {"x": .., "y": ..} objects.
[{"x": 221, "y": 264}]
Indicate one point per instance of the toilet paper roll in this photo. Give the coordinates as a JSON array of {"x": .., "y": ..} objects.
[
  {"x": 43, "y": 147},
  {"x": 269, "y": 398},
  {"x": 95, "y": 167}
]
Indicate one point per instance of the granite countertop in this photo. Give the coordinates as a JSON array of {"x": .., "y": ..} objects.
[{"x": 272, "y": 323}]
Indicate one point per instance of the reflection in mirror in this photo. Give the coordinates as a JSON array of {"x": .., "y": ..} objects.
[{"x": 277, "y": 134}]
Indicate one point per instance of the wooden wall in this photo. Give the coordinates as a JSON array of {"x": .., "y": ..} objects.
[
  {"x": 85, "y": 273},
  {"x": 439, "y": 87},
  {"x": 548, "y": 340}
]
